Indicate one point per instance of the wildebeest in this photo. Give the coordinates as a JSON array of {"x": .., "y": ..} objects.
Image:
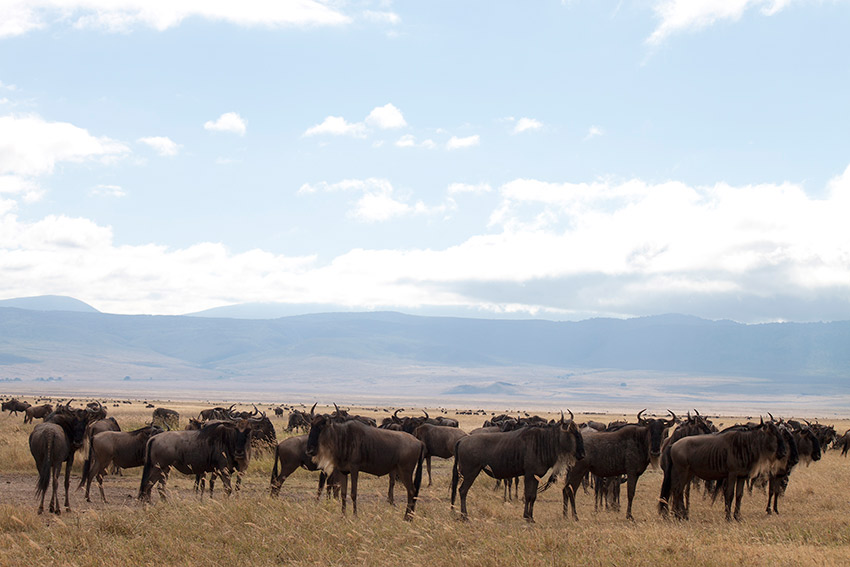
[
  {"x": 732, "y": 455},
  {"x": 218, "y": 447},
  {"x": 53, "y": 442},
  {"x": 843, "y": 443},
  {"x": 625, "y": 451},
  {"x": 440, "y": 441},
  {"x": 291, "y": 454},
  {"x": 166, "y": 418},
  {"x": 693, "y": 425},
  {"x": 352, "y": 447},
  {"x": 13, "y": 406},
  {"x": 300, "y": 419},
  {"x": 780, "y": 474},
  {"x": 40, "y": 412},
  {"x": 215, "y": 413},
  {"x": 123, "y": 449},
  {"x": 529, "y": 452}
]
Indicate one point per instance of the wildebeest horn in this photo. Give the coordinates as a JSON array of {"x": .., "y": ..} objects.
[
  {"x": 673, "y": 420},
  {"x": 426, "y": 413},
  {"x": 771, "y": 416},
  {"x": 761, "y": 420},
  {"x": 572, "y": 417},
  {"x": 256, "y": 411},
  {"x": 696, "y": 412},
  {"x": 395, "y": 413},
  {"x": 313, "y": 409},
  {"x": 639, "y": 418}
]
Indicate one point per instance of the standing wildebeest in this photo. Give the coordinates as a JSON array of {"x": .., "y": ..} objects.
[
  {"x": 215, "y": 413},
  {"x": 624, "y": 451},
  {"x": 13, "y": 406},
  {"x": 53, "y": 442},
  {"x": 300, "y": 419},
  {"x": 165, "y": 418},
  {"x": 351, "y": 447},
  {"x": 440, "y": 441},
  {"x": 291, "y": 453},
  {"x": 780, "y": 474},
  {"x": 218, "y": 447},
  {"x": 529, "y": 452},
  {"x": 40, "y": 412},
  {"x": 843, "y": 443},
  {"x": 732, "y": 455},
  {"x": 123, "y": 449}
]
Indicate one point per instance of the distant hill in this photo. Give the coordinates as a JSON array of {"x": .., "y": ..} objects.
[
  {"x": 49, "y": 303},
  {"x": 391, "y": 356}
]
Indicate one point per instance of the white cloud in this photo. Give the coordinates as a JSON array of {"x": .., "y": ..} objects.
[
  {"x": 409, "y": 141},
  {"x": 382, "y": 17},
  {"x": 378, "y": 200},
  {"x": 386, "y": 117},
  {"x": 337, "y": 126},
  {"x": 527, "y": 125},
  {"x": 456, "y": 143},
  {"x": 108, "y": 191},
  {"x": 593, "y": 132},
  {"x": 227, "y": 122},
  {"x": 456, "y": 188},
  {"x": 684, "y": 15},
  {"x": 18, "y": 17},
  {"x": 162, "y": 145}
]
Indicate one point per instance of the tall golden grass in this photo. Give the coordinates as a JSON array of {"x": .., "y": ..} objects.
[{"x": 296, "y": 529}]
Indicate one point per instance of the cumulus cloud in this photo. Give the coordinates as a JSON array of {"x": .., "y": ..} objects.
[
  {"x": 409, "y": 141},
  {"x": 527, "y": 125},
  {"x": 386, "y": 117},
  {"x": 30, "y": 147},
  {"x": 337, "y": 126},
  {"x": 227, "y": 122},
  {"x": 162, "y": 145},
  {"x": 563, "y": 250},
  {"x": 685, "y": 15},
  {"x": 594, "y": 132},
  {"x": 108, "y": 191},
  {"x": 18, "y": 17},
  {"x": 377, "y": 200},
  {"x": 456, "y": 143}
]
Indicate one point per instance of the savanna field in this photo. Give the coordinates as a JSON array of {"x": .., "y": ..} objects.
[{"x": 251, "y": 528}]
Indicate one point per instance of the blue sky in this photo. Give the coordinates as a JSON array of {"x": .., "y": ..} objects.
[{"x": 561, "y": 160}]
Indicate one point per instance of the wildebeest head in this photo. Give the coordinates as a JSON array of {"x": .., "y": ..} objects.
[
  {"x": 776, "y": 441},
  {"x": 316, "y": 427},
  {"x": 657, "y": 431},
  {"x": 73, "y": 421},
  {"x": 569, "y": 427},
  {"x": 233, "y": 438}
]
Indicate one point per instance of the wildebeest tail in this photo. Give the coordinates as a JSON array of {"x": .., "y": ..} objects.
[
  {"x": 417, "y": 479},
  {"x": 87, "y": 463},
  {"x": 274, "y": 469},
  {"x": 666, "y": 484},
  {"x": 146, "y": 471},
  {"x": 44, "y": 471},
  {"x": 455, "y": 476}
]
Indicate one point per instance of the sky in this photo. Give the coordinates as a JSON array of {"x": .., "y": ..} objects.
[{"x": 553, "y": 159}]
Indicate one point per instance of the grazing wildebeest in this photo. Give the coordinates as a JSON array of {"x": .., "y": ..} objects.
[
  {"x": 351, "y": 447},
  {"x": 291, "y": 453},
  {"x": 693, "y": 425},
  {"x": 123, "y": 449},
  {"x": 529, "y": 452},
  {"x": 13, "y": 406},
  {"x": 732, "y": 455},
  {"x": 40, "y": 412},
  {"x": 300, "y": 419},
  {"x": 215, "y": 413},
  {"x": 440, "y": 441},
  {"x": 625, "y": 451},
  {"x": 53, "y": 442},
  {"x": 218, "y": 447},
  {"x": 278, "y": 411},
  {"x": 165, "y": 418}
]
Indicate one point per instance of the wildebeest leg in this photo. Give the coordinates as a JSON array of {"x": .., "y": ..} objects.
[
  {"x": 68, "y": 464},
  {"x": 464, "y": 489},
  {"x": 323, "y": 478},
  {"x": 343, "y": 490},
  {"x": 728, "y": 493},
  {"x": 354, "y": 476},
  {"x": 688, "y": 496},
  {"x": 390, "y": 491},
  {"x": 569, "y": 494},
  {"x": 739, "y": 493},
  {"x": 630, "y": 493},
  {"x": 428, "y": 464},
  {"x": 54, "y": 498},
  {"x": 530, "y": 497}
]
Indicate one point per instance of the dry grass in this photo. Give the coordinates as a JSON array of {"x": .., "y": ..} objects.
[{"x": 295, "y": 529}]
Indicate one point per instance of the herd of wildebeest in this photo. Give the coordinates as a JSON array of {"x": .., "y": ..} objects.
[{"x": 690, "y": 451}]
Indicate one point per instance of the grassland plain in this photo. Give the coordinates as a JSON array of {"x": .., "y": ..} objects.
[{"x": 295, "y": 529}]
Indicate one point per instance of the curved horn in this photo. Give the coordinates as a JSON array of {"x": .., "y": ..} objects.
[
  {"x": 313, "y": 409},
  {"x": 639, "y": 418},
  {"x": 256, "y": 411},
  {"x": 426, "y": 414},
  {"x": 673, "y": 420},
  {"x": 395, "y": 413},
  {"x": 562, "y": 416},
  {"x": 696, "y": 412},
  {"x": 761, "y": 420},
  {"x": 231, "y": 407},
  {"x": 771, "y": 416},
  {"x": 572, "y": 417}
]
